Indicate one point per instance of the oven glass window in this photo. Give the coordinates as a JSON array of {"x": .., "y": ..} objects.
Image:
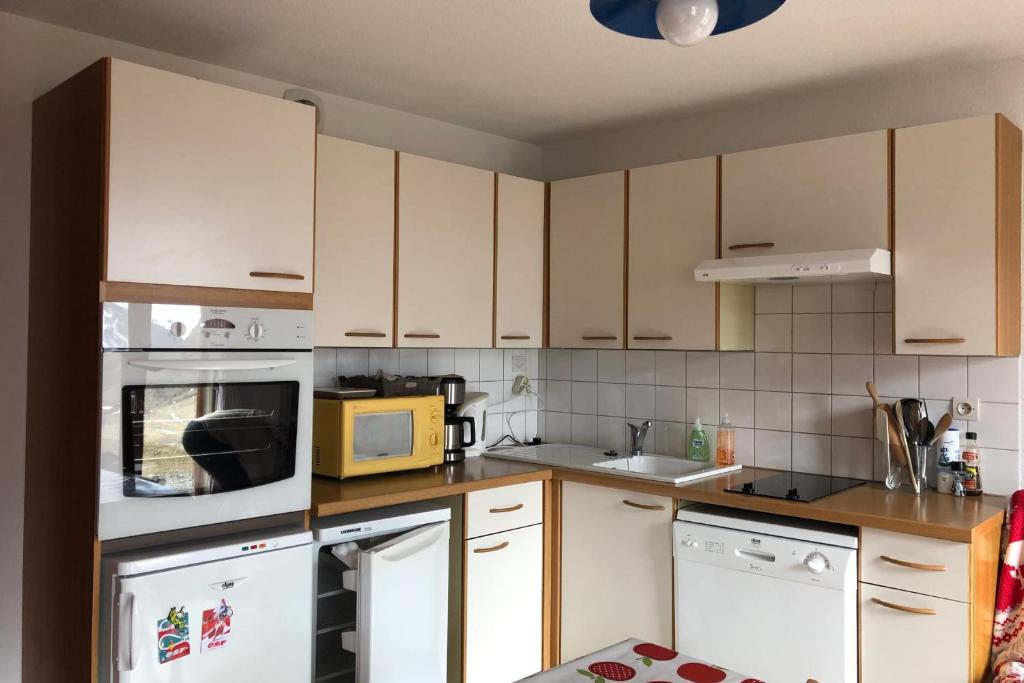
[
  {"x": 382, "y": 435},
  {"x": 200, "y": 439}
]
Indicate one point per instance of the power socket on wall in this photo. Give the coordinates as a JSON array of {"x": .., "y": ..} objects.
[{"x": 966, "y": 408}]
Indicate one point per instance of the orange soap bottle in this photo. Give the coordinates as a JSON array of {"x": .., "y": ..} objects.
[{"x": 725, "y": 449}]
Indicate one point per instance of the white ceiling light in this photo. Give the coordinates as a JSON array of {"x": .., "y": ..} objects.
[{"x": 686, "y": 22}]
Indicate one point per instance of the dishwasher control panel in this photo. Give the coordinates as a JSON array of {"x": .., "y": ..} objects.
[{"x": 803, "y": 561}]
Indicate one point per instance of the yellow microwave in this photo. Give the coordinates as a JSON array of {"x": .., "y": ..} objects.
[{"x": 357, "y": 436}]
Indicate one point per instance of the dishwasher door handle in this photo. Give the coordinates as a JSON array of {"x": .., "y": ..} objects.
[{"x": 751, "y": 554}]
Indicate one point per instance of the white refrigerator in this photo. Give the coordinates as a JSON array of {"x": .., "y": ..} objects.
[{"x": 235, "y": 608}]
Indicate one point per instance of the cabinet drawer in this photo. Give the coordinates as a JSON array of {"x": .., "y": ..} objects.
[
  {"x": 501, "y": 509},
  {"x": 504, "y": 603},
  {"x": 898, "y": 644},
  {"x": 922, "y": 565}
]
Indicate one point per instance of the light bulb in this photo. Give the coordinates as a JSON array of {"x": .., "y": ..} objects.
[{"x": 686, "y": 22}]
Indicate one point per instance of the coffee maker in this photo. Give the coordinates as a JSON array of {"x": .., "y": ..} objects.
[{"x": 453, "y": 389}]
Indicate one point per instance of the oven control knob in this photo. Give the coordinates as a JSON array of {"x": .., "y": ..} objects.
[
  {"x": 178, "y": 330},
  {"x": 815, "y": 562},
  {"x": 256, "y": 330}
]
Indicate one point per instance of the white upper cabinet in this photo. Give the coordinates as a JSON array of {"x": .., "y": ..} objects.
[
  {"x": 821, "y": 195},
  {"x": 355, "y": 242},
  {"x": 519, "y": 296},
  {"x": 586, "y": 261},
  {"x": 957, "y": 238},
  {"x": 208, "y": 185},
  {"x": 445, "y": 254},
  {"x": 672, "y": 228}
]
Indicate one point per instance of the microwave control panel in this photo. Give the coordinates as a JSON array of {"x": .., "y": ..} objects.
[{"x": 133, "y": 326}]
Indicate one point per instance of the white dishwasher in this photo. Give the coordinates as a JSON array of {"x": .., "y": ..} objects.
[{"x": 773, "y": 596}]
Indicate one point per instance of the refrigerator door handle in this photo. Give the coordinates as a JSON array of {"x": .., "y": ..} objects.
[
  {"x": 125, "y": 628},
  {"x": 429, "y": 538}
]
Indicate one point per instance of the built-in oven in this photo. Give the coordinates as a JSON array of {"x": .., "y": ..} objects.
[{"x": 206, "y": 416}]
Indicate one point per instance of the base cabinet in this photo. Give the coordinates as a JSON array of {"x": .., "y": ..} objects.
[
  {"x": 912, "y": 637},
  {"x": 616, "y": 568}
]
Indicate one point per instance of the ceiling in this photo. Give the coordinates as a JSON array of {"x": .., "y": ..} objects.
[{"x": 544, "y": 70}]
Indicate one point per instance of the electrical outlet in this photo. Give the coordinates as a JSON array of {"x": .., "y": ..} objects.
[
  {"x": 518, "y": 365},
  {"x": 966, "y": 408},
  {"x": 520, "y": 385}
]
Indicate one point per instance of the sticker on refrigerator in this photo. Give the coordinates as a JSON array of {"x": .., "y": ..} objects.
[
  {"x": 216, "y": 627},
  {"x": 172, "y": 635}
]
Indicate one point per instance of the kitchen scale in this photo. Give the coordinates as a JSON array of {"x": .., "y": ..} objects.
[{"x": 796, "y": 486}]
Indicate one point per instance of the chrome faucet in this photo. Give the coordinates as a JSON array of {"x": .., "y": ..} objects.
[{"x": 637, "y": 435}]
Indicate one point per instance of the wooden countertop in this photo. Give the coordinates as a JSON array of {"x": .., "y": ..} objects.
[{"x": 934, "y": 515}]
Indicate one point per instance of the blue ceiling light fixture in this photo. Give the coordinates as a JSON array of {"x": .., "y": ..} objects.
[{"x": 680, "y": 22}]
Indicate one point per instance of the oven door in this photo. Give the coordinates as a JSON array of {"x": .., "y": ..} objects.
[{"x": 192, "y": 438}]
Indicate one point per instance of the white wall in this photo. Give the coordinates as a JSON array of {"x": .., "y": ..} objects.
[
  {"x": 875, "y": 105},
  {"x": 34, "y": 57}
]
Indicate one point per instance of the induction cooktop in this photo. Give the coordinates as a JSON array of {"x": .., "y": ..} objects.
[{"x": 796, "y": 486}]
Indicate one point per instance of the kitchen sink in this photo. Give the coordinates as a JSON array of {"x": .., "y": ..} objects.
[{"x": 661, "y": 467}]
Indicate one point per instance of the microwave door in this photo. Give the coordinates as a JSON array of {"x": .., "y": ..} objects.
[{"x": 403, "y": 608}]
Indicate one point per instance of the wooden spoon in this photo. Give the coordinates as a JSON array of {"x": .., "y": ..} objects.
[
  {"x": 940, "y": 428},
  {"x": 895, "y": 442}
]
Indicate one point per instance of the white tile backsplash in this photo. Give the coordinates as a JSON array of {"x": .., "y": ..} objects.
[{"x": 801, "y": 405}]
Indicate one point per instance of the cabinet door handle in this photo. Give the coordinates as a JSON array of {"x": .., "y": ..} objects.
[
  {"x": 515, "y": 336},
  {"x": 904, "y": 608},
  {"x": 599, "y": 338},
  {"x": 492, "y": 549},
  {"x": 643, "y": 506},
  {"x": 935, "y": 340},
  {"x": 913, "y": 565},
  {"x": 663, "y": 337},
  {"x": 365, "y": 334},
  {"x": 421, "y": 335},
  {"x": 752, "y": 245},
  {"x": 278, "y": 276},
  {"x": 511, "y": 509}
]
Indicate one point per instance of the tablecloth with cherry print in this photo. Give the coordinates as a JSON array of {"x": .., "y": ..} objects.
[{"x": 638, "y": 662}]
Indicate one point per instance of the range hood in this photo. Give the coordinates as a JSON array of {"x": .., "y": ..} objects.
[{"x": 817, "y": 266}]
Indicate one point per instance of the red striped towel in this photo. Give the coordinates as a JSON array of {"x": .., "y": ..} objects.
[{"x": 1007, "y": 636}]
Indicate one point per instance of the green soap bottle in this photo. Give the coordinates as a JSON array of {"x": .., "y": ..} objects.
[{"x": 697, "y": 447}]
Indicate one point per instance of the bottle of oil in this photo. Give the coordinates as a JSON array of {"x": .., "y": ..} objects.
[{"x": 970, "y": 454}]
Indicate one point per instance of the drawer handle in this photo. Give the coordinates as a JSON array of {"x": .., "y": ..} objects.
[
  {"x": 752, "y": 245},
  {"x": 492, "y": 549},
  {"x": 365, "y": 334},
  {"x": 903, "y": 608},
  {"x": 516, "y": 337},
  {"x": 278, "y": 276},
  {"x": 599, "y": 338},
  {"x": 935, "y": 340},
  {"x": 643, "y": 506},
  {"x": 913, "y": 565},
  {"x": 663, "y": 337},
  {"x": 421, "y": 335},
  {"x": 511, "y": 509}
]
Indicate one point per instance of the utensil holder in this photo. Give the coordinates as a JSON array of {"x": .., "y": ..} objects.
[
  {"x": 897, "y": 474},
  {"x": 921, "y": 466}
]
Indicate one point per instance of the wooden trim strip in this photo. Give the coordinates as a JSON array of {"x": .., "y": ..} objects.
[
  {"x": 494, "y": 271},
  {"x": 927, "y": 611},
  {"x": 625, "y": 260},
  {"x": 718, "y": 250},
  {"x": 394, "y": 264},
  {"x": 913, "y": 565},
  {"x": 140, "y": 292},
  {"x": 752, "y": 245},
  {"x": 891, "y": 207},
  {"x": 1008, "y": 237},
  {"x": 552, "y": 585},
  {"x": 492, "y": 549},
  {"x": 546, "y": 316},
  {"x": 642, "y": 506},
  {"x": 518, "y": 506},
  {"x": 276, "y": 276}
]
